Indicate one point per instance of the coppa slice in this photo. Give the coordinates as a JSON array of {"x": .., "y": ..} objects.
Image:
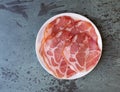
[{"x": 69, "y": 47}]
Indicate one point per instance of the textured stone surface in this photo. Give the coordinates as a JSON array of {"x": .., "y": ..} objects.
[{"x": 20, "y": 21}]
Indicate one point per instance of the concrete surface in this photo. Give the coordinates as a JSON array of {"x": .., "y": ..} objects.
[{"x": 20, "y": 21}]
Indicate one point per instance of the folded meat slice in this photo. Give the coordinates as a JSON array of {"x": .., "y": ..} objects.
[
  {"x": 69, "y": 46},
  {"x": 53, "y": 50}
]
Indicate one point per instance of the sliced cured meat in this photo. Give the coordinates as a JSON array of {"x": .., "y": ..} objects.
[{"x": 69, "y": 46}]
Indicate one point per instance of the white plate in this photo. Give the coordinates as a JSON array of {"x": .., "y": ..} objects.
[{"x": 40, "y": 36}]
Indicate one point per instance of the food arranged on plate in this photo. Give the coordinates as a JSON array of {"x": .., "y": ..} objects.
[{"x": 69, "y": 46}]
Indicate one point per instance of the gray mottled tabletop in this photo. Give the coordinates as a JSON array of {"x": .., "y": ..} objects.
[{"x": 20, "y": 21}]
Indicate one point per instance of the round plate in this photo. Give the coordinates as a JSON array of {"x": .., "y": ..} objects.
[{"x": 40, "y": 36}]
